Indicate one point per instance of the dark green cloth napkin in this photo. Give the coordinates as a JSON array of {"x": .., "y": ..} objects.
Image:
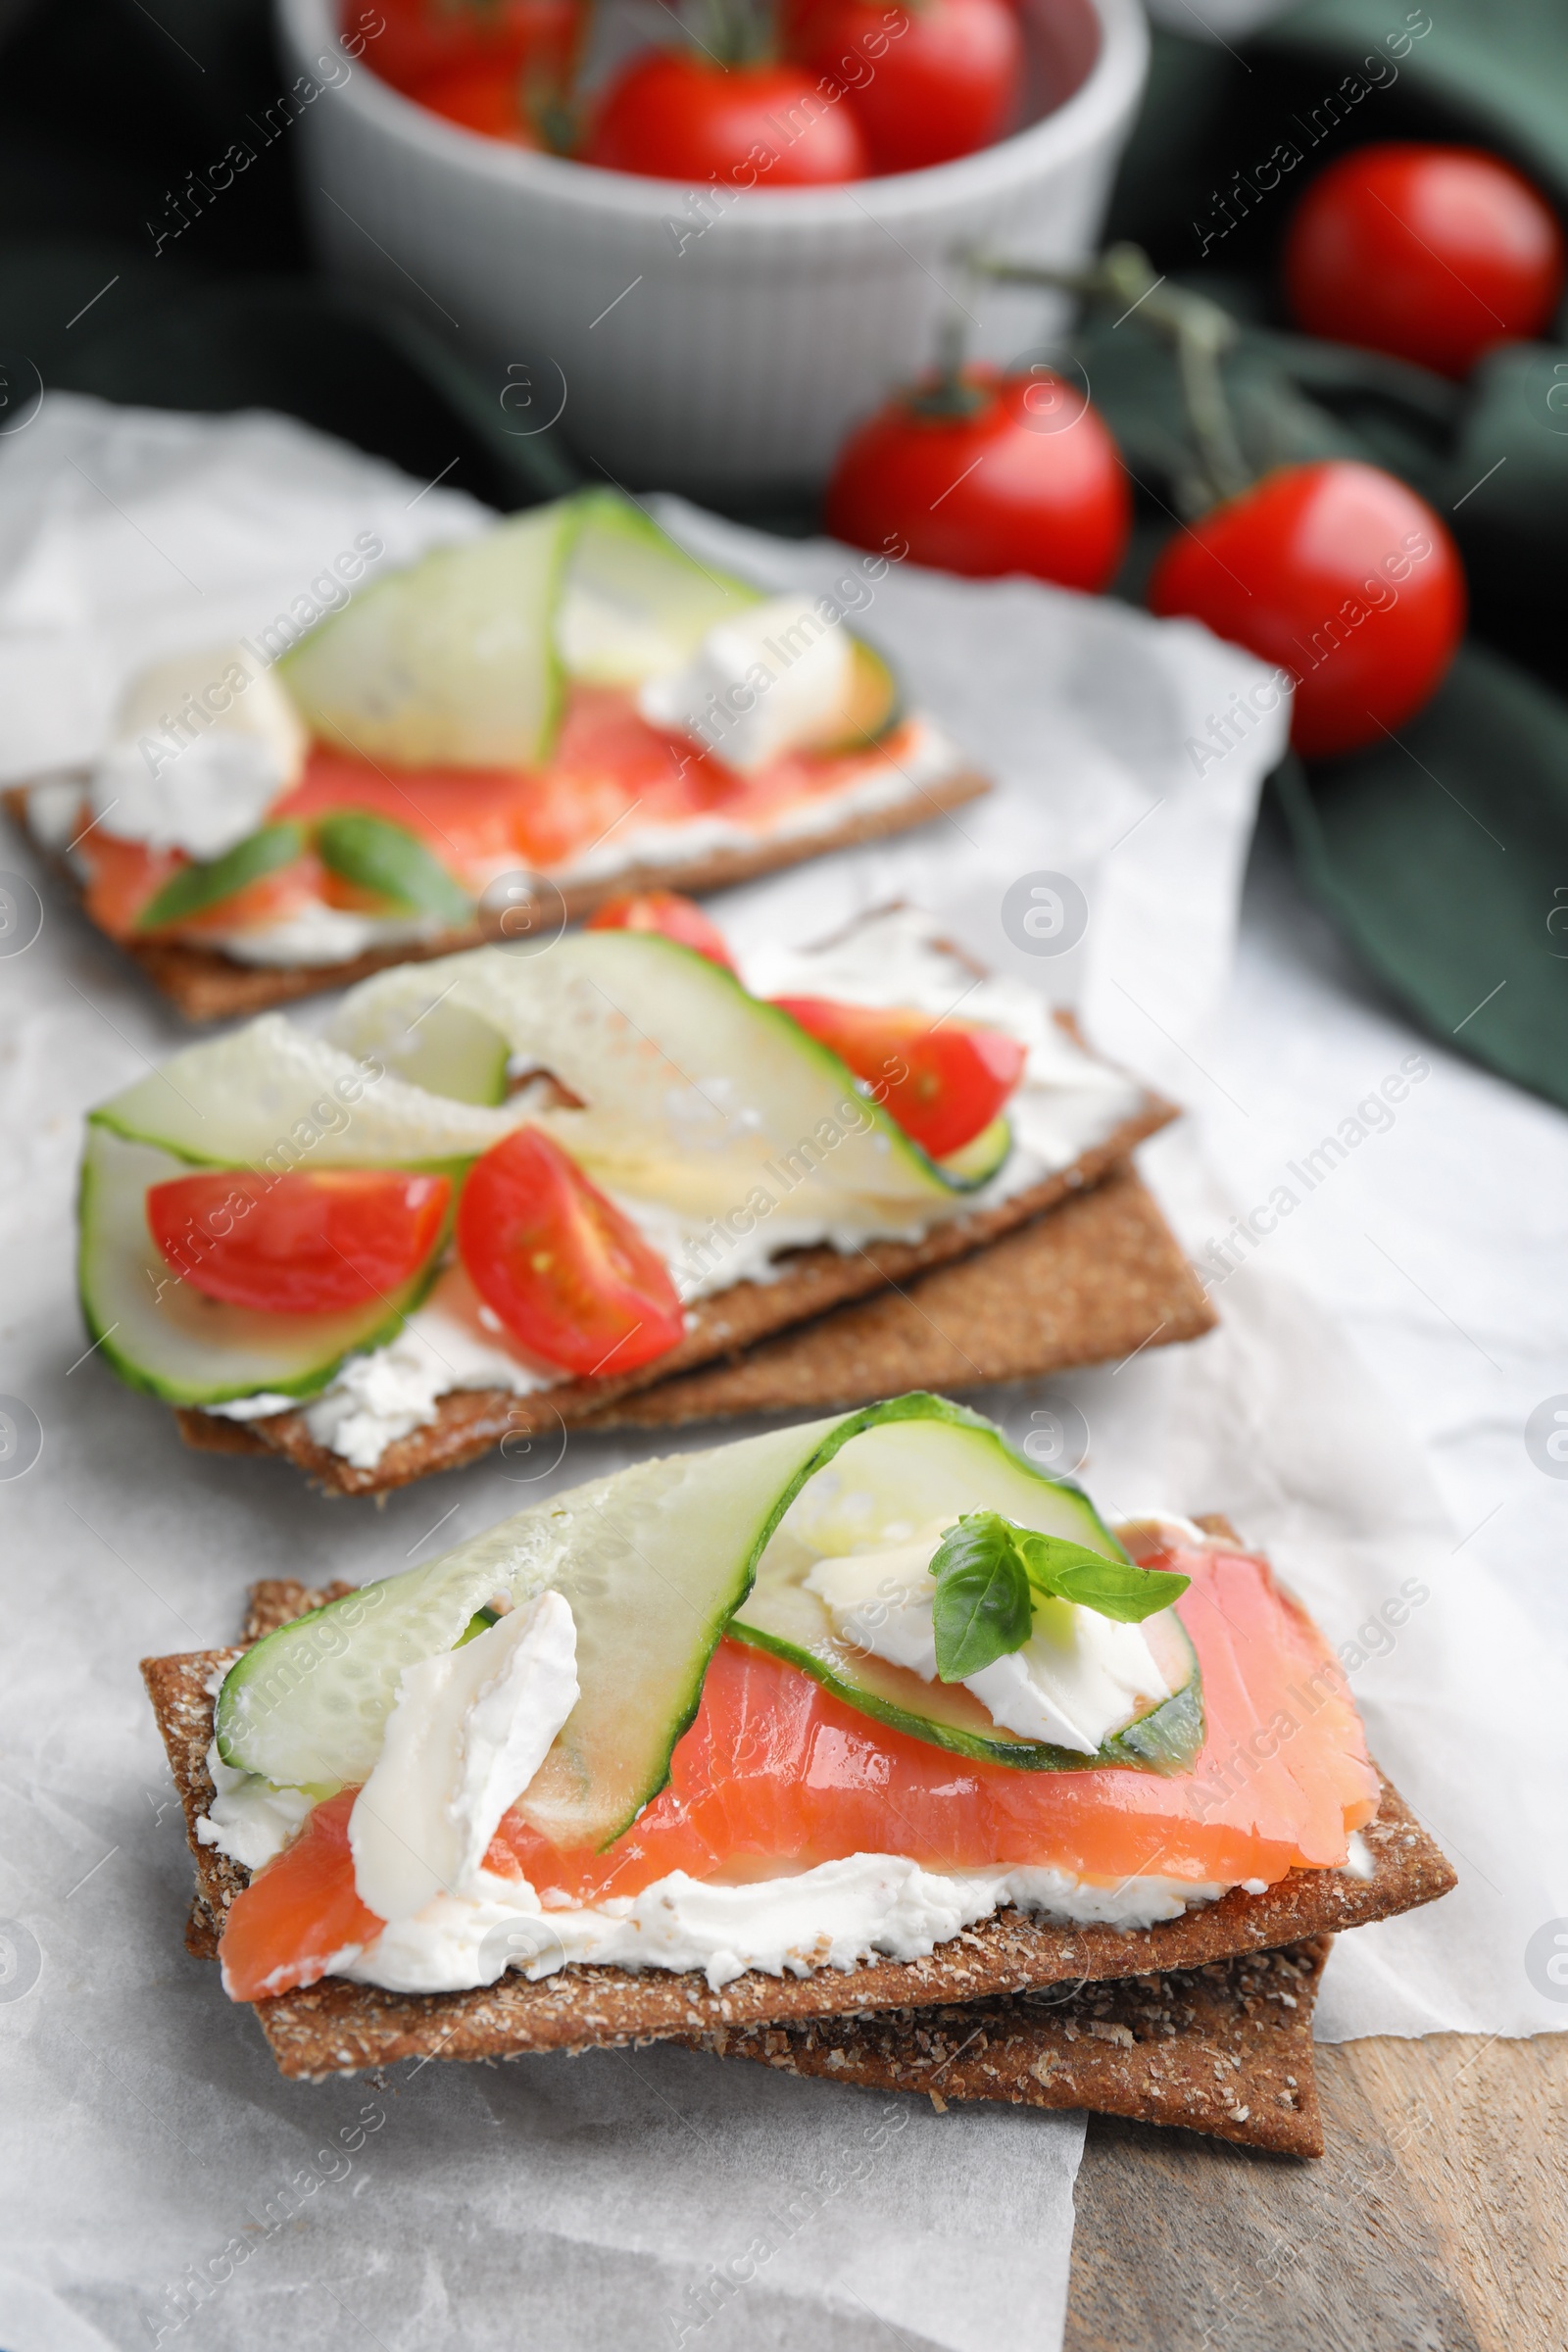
[{"x": 1443, "y": 855}]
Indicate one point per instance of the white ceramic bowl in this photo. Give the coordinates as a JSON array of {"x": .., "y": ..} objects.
[{"x": 739, "y": 357}]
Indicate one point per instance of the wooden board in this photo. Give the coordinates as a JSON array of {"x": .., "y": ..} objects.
[{"x": 1435, "y": 2221}]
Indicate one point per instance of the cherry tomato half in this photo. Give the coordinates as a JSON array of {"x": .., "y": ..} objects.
[
  {"x": 946, "y": 83},
  {"x": 944, "y": 1083},
  {"x": 1430, "y": 253},
  {"x": 1025, "y": 478},
  {"x": 1338, "y": 573},
  {"x": 672, "y": 114},
  {"x": 304, "y": 1244},
  {"x": 567, "y": 1273},
  {"x": 668, "y": 913}
]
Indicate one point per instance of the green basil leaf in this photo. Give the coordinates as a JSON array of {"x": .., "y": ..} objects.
[
  {"x": 983, "y": 1606},
  {"x": 1063, "y": 1571},
  {"x": 388, "y": 859},
  {"x": 196, "y": 888}
]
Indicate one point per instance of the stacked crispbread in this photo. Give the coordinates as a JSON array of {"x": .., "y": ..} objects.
[{"x": 1203, "y": 2021}]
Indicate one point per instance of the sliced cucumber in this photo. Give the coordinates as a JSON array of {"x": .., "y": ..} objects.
[
  {"x": 698, "y": 1094},
  {"x": 893, "y": 1477},
  {"x": 635, "y": 605},
  {"x": 981, "y": 1156},
  {"x": 394, "y": 864},
  {"x": 197, "y": 888},
  {"x": 448, "y": 1051},
  {"x": 452, "y": 661},
  {"x": 873, "y": 706},
  {"x": 652, "y": 1559},
  {"x": 162, "y": 1334},
  {"x": 270, "y": 1094}
]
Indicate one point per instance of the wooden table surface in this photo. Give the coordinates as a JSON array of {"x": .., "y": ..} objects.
[{"x": 1435, "y": 2221}]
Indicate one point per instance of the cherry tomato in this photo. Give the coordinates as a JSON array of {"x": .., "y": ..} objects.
[
  {"x": 304, "y": 1244},
  {"x": 670, "y": 915},
  {"x": 420, "y": 38},
  {"x": 1023, "y": 477},
  {"x": 1430, "y": 253},
  {"x": 485, "y": 97},
  {"x": 567, "y": 1273},
  {"x": 949, "y": 82},
  {"x": 1338, "y": 573},
  {"x": 942, "y": 1082},
  {"x": 673, "y": 114}
]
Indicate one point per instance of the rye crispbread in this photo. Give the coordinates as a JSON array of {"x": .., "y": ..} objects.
[
  {"x": 338, "y": 2027},
  {"x": 1074, "y": 1290},
  {"x": 1099, "y": 1277},
  {"x": 1225, "y": 2048},
  {"x": 206, "y": 985}
]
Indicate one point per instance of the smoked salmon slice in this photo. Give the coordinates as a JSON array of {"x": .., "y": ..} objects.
[
  {"x": 775, "y": 1773},
  {"x": 300, "y": 1912},
  {"x": 606, "y": 763}
]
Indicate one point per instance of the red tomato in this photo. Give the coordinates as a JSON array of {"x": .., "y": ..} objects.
[
  {"x": 1430, "y": 253},
  {"x": 948, "y": 82},
  {"x": 301, "y": 1244},
  {"x": 1026, "y": 480},
  {"x": 674, "y": 115},
  {"x": 942, "y": 1082},
  {"x": 485, "y": 97},
  {"x": 420, "y": 38},
  {"x": 1338, "y": 573},
  {"x": 569, "y": 1275},
  {"x": 670, "y": 915}
]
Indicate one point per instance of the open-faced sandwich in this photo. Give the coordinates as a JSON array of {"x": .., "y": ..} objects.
[
  {"x": 487, "y": 743},
  {"x": 796, "y": 1747},
  {"x": 507, "y": 1190}
]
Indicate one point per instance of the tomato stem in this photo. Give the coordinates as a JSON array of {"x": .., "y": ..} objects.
[
  {"x": 739, "y": 34},
  {"x": 549, "y": 96},
  {"x": 1199, "y": 331},
  {"x": 949, "y": 393}
]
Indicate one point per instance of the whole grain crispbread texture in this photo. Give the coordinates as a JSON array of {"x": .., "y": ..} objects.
[
  {"x": 468, "y": 1422},
  {"x": 208, "y": 986},
  {"x": 1097, "y": 1278},
  {"x": 1225, "y": 2048},
  {"x": 337, "y": 2027}
]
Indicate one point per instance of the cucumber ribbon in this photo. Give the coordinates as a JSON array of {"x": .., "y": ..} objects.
[{"x": 657, "y": 1563}]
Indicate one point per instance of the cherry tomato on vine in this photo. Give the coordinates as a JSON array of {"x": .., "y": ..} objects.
[
  {"x": 564, "y": 1269},
  {"x": 947, "y": 81},
  {"x": 667, "y": 913},
  {"x": 1430, "y": 253},
  {"x": 942, "y": 1082},
  {"x": 420, "y": 38},
  {"x": 484, "y": 97},
  {"x": 301, "y": 1244},
  {"x": 988, "y": 473},
  {"x": 1337, "y": 572},
  {"x": 673, "y": 114}
]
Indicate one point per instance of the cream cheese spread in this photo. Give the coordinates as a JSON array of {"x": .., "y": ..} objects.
[
  {"x": 835, "y": 1915},
  {"x": 466, "y": 1735},
  {"x": 777, "y": 678},
  {"x": 201, "y": 747},
  {"x": 248, "y": 1819},
  {"x": 1078, "y": 1679}
]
